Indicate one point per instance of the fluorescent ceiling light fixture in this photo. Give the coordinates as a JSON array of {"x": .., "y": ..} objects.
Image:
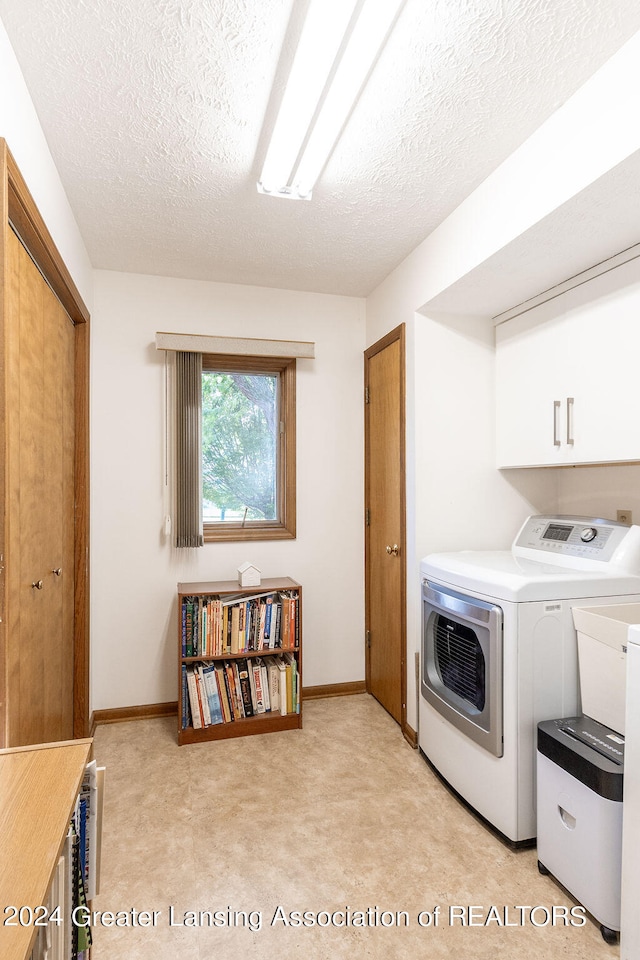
[{"x": 339, "y": 43}]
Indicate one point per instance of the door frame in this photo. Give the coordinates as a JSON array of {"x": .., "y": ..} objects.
[
  {"x": 19, "y": 212},
  {"x": 397, "y": 334}
]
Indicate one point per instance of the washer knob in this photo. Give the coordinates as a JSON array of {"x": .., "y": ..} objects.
[{"x": 588, "y": 534}]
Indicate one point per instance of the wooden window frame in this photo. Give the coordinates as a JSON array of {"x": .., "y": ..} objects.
[{"x": 284, "y": 528}]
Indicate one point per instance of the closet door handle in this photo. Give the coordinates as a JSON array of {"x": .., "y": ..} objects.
[
  {"x": 570, "y": 421},
  {"x": 556, "y": 415}
]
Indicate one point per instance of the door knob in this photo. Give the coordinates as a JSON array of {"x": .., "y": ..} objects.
[
  {"x": 57, "y": 571},
  {"x": 38, "y": 584},
  {"x": 394, "y": 550}
]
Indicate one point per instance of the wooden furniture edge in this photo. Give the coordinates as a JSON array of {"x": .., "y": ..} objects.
[
  {"x": 36, "y": 866},
  {"x": 245, "y": 727},
  {"x": 46, "y": 746},
  {"x": 231, "y": 587}
]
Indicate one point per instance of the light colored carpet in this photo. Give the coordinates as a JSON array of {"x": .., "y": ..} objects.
[{"x": 341, "y": 814}]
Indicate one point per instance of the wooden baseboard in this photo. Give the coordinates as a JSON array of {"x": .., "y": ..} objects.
[
  {"x": 410, "y": 736},
  {"x": 147, "y": 711},
  {"x": 333, "y": 690}
]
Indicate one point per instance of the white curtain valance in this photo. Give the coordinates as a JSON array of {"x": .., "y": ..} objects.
[{"x": 237, "y": 346}]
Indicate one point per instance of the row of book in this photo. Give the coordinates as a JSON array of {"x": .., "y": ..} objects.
[
  {"x": 212, "y": 626},
  {"x": 75, "y": 878},
  {"x": 225, "y": 691}
]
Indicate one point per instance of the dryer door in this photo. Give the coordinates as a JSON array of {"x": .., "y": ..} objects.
[{"x": 461, "y": 673}]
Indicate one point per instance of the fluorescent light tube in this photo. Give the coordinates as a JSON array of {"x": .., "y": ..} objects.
[{"x": 340, "y": 40}]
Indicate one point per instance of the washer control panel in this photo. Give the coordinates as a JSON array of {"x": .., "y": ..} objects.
[{"x": 588, "y": 537}]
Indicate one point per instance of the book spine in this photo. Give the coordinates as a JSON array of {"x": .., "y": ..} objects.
[
  {"x": 231, "y": 689},
  {"x": 241, "y": 628},
  {"x": 277, "y": 633},
  {"x": 189, "y": 626},
  {"x": 267, "y": 621},
  {"x": 282, "y": 669},
  {"x": 238, "y": 689},
  {"x": 211, "y": 687},
  {"x": 203, "y": 697},
  {"x": 185, "y": 699},
  {"x": 274, "y": 685},
  {"x": 264, "y": 677},
  {"x": 245, "y": 688},
  {"x": 218, "y": 628},
  {"x": 222, "y": 693},
  {"x": 256, "y": 625},
  {"x": 289, "y": 673},
  {"x": 257, "y": 681},
  {"x": 227, "y": 649},
  {"x": 294, "y": 614},
  {"x": 235, "y": 629},
  {"x": 285, "y": 622},
  {"x": 193, "y": 699}
]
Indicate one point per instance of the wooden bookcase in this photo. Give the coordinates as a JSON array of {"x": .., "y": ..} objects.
[{"x": 267, "y": 722}]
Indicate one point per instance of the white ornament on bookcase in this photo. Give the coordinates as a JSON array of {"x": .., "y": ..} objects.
[{"x": 248, "y": 575}]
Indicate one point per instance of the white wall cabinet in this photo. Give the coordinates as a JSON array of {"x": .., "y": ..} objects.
[{"x": 567, "y": 377}]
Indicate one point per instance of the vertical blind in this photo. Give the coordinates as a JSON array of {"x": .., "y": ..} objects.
[{"x": 188, "y": 446}]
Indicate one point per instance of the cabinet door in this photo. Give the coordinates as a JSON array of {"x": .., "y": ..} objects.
[
  {"x": 606, "y": 346},
  {"x": 578, "y": 356},
  {"x": 532, "y": 386}
]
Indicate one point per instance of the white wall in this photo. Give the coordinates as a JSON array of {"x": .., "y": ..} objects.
[
  {"x": 20, "y": 127},
  {"x": 462, "y": 502},
  {"x": 600, "y": 491},
  {"x": 134, "y": 568}
]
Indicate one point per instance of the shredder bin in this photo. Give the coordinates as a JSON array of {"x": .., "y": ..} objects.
[{"x": 580, "y": 770}]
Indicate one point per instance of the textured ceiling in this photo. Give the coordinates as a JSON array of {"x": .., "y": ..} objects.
[{"x": 157, "y": 113}]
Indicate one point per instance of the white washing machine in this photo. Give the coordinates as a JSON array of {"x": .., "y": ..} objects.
[{"x": 499, "y": 653}]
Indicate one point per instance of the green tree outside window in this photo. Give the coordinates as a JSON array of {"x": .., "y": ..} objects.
[{"x": 240, "y": 423}]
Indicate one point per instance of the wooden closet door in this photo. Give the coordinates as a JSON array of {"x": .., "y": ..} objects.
[
  {"x": 40, "y": 568},
  {"x": 385, "y": 529}
]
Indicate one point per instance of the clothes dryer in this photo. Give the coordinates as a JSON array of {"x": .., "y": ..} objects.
[{"x": 499, "y": 654}]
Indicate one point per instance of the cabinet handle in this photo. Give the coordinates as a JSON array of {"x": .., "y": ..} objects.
[
  {"x": 394, "y": 550},
  {"x": 57, "y": 571},
  {"x": 556, "y": 413},
  {"x": 570, "y": 421},
  {"x": 38, "y": 584}
]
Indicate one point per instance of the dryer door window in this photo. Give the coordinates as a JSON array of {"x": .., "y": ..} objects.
[
  {"x": 459, "y": 660},
  {"x": 461, "y": 672}
]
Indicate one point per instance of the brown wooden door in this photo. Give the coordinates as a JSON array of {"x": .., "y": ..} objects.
[
  {"x": 40, "y": 558},
  {"x": 385, "y": 518}
]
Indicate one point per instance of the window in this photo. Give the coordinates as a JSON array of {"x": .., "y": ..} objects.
[
  {"x": 248, "y": 448},
  {"x": 248, "y": 460}
]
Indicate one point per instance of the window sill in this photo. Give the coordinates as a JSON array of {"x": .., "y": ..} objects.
[{"x": 236, "y": 532}]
